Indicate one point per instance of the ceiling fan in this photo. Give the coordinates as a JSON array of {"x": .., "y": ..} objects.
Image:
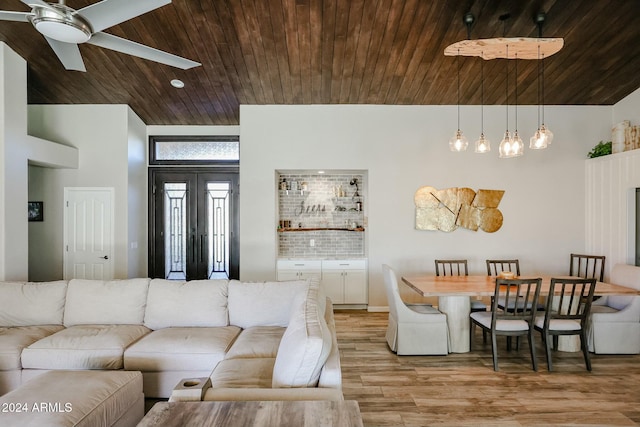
[{"x": 64, "y": 28}]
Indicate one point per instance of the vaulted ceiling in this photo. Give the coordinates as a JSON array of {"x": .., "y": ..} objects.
[{"x": 336, "y": 52}]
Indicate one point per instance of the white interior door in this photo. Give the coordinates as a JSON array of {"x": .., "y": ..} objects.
[{"x": 88, "y": 231}]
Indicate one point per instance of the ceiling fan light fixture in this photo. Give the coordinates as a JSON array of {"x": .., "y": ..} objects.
[{"x": 60, "y": 25}]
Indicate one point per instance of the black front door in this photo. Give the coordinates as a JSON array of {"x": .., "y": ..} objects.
[{"x": 193, "y": 224}]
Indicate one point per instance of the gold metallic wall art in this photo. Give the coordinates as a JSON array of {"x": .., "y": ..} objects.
[{"x": 448, "y": 209}]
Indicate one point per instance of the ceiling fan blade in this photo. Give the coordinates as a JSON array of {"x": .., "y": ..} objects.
[
  {"x": 68, "y": 54},
  {"x": 108, "y": 13},
  {"x": 31, "y": 3},
  {"x": 129, "y": 47},
  {"x": 14, "y": 16}
]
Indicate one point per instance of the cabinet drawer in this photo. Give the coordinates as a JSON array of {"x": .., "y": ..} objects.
[
  {"x": 344, "y": 264},
  {"x": 291, "y": 264}
]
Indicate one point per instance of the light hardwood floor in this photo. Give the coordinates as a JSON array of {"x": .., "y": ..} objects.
[{"x": 464, "y": 390}]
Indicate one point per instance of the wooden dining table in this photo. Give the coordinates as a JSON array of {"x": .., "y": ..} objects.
[{"x": 454, "y": 294}]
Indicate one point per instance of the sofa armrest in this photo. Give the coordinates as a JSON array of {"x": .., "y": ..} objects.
[
  {"x": 331, "y": 373},
  {"x": 190, "y": 389}
]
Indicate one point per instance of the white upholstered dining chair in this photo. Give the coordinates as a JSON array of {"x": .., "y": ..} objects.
[
  {"x": 615, "y": 319},
  {"x": 413, "y": 330}
]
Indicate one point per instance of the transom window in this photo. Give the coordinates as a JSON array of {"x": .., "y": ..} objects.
[{"x": 164, "y": 150}]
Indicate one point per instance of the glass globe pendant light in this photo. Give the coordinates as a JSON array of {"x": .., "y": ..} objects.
[
  {"x": 483, "y": 145},
  {"x": 458, "y": 141},
  {"x": 517, "y": 146},
  {"x": 538, "y": 141},
  {"x": 544, "y": 131},
  {"x": 505, "y": 148}
]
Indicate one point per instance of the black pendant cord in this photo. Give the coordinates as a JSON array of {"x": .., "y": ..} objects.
[
  {"x": 507, "y": 88},
  {"x": 539, "y": 107},
  {"x": 516, "y": 89},
  {"x": 542, "y": 107},
  {"x": 458, "y": 66},
  {"x": 481, "y": 94}
]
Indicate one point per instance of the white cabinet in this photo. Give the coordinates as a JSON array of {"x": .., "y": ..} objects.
[
  {"x": 299, "y": 269},
  {"x": 345, "y": 281}
]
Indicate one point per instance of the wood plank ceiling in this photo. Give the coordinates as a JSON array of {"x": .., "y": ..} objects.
[{"x": 336, "y": 52}]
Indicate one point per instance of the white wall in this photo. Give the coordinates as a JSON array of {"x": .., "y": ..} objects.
[
  {"x": 404, "y": 148},
  {"x": 137, "y": 196},
  {"x": 628, "y": 109},
  {"x": 611, "y": 182},
  {"x": 101, "y": 133},
  {"x": 17, "y": 150}
]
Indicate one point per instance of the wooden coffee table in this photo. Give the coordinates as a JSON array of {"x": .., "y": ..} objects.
[{"x": 251, "y": 413}]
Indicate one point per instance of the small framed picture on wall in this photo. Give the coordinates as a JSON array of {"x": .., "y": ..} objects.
[{"x": 36, "y": 211}]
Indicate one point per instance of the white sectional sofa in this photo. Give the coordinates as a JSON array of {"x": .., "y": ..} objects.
[{"x": 255, "y": 341}]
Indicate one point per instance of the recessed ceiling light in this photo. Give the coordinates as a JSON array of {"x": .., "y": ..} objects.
[{"x": 177, "y": 83}]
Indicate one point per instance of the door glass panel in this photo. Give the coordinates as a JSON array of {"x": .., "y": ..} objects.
[
  {"x": 218, "y": 229},
  {"x": 175, "y": 232}
]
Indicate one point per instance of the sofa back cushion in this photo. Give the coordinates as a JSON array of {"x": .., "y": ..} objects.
[
  {"x": 263, "y": 303},
  {"x": 624, "y": 275},
  {"x": 98, "y": 302},
  {"x": 305, "y": 345},
  {"x": 199, "y": 303},
  {"x": 30, "y": 304}
]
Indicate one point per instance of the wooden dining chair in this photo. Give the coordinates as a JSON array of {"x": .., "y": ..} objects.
[
  {"x": 451, "y": 267},
  {"x": 458, "y": 267},
  {"x": 587, "y": 266},
  {"x": 522, "y": 293},
  {"x": 567, "y": 311},
  {"x": 497, "y": 266}
]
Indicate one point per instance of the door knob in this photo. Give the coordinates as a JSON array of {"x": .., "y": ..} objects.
[{"x": 105, "y": 257}]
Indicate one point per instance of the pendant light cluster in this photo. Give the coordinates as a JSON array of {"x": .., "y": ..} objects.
[{"x": 521, "y": 48}]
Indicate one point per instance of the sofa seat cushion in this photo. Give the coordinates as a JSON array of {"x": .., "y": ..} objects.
[
  {"x": 243, "y": 373},
  {"x": 258, "y": 341},
  {"x": 14, "y": 340},
  {"x": 179, "y": 349},
  {"x": 83, "y": 347},
  {"x": 78, "y": 399}
]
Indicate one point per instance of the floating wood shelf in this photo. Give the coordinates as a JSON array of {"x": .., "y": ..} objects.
[{"x": 281, "y": 230}]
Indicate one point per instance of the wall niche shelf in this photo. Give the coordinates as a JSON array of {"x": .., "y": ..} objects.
[
  {"x": 282, "y": 230},
  {"x": 323, "y": 215}
]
